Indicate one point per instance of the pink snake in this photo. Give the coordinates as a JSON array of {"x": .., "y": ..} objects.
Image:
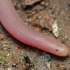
[{"x": 22, "y": 32}]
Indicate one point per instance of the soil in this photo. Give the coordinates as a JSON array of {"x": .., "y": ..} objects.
[{"x": 40, "y": 15}]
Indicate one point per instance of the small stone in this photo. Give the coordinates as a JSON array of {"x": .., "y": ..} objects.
[
  {"x": 18, "y": 6},
  {"x": 47, "y": 57},
  {"x": 29, "y": 20},
  {"x": 37, "y": 29},
  {"x": 48, "y": 64},
  {"x": 55, "y": 29},
  {"x": 9, "y": 68},
  {"x": 38, "y": 8},
  {"x": 15, "y": 63},
  {"x": 43, "y": 3},
  {"x": 33, "y": 12},
  {"x": 27, "y": 59},
  {"x": 38, "y": 17},
  {"x": 31, "y": 2}
]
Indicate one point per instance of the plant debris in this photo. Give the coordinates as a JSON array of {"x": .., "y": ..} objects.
[
  {"x": 55, "y": 29},
  {"x": 31, "y": 2}
]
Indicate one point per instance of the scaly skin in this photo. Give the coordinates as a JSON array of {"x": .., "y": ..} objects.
[{"x": 22, "y": 32}]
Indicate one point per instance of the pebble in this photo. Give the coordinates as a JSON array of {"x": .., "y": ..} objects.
[
  {"x": 37, "y": 29},
  {"x": 48, "y": 64},
  {"x": 15, "y": 63},
  {"x": 43, "y": 3},
  {"x": 27, "y": 59},
  {"x": 38, "y": 17},
  {"x": 47, "y": 57},
  {"x": 55, "y": 29},
  {"x": 9, "y": 68},
  {"x": 18, "y": 6},
  {"x": 33, "y": 12}
]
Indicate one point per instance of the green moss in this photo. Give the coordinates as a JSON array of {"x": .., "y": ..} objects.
[
  {"x": 4, "y": 54},
  {"x": 3, "y": 60},
  {"x": 21, "y": 59}
]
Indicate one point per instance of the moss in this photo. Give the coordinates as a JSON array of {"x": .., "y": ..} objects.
[
  {"x": 3, "y": 60},
  {"x": 21, "y": 59}
]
